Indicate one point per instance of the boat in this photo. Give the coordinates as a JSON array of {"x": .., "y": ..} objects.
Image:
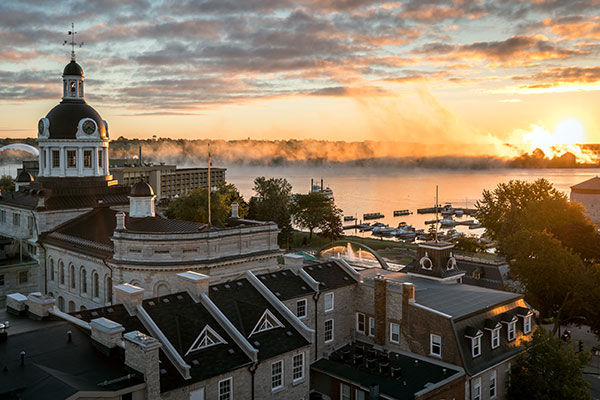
[
  {"x": 316, "y": 188},
  {"x": 364, "y": 227},
  {"x": 429, "y": 210},
  {"x": 399, "y": 213},
  {"x": 375, "y": 215},
  {"x": 349, "y": 218}
]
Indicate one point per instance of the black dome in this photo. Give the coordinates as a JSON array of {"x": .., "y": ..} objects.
[
  {"x": 141, "y": 189},
  {"x": 24, "y": 177},
  {"x": 73, "y": 68},
  {"x": 65, "y": 117}
]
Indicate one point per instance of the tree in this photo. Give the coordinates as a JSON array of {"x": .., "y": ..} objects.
[
  {"x": 331, "y": 225},
  {"x": 469, "y": 244},
  {"x": 548, "y": 369},
  {"x": 310, "y": 210},
  {"x": 552, "y": 275},
  {"x": 6, "y": 184},
  {"x": 194, "y": 206},
  {"x": 273, "y": 203}
]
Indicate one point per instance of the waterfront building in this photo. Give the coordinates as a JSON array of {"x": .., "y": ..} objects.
[{"x": 588, "y": 194}]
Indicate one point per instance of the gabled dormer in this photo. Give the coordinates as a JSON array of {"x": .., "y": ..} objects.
[
  {"x": 266, "y": 322},
  {"x": 207, "y": 338}
]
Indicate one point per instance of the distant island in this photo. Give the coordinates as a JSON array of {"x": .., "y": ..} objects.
[{"x": 310, "y": 152}]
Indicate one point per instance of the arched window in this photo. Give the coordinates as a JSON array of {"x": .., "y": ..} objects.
[
  {"x": 71, "y": 306},
  {"x": 82, "y": 308},
  {"x": 161, "y": 289},
  {"x": 476, "y": 274},
  {"x": 72, "y": 276},
  {"x": 108, "y": 288},
  {"x": 83, "y": 280},
  {"x": 95, "y": 284},
  {"x": 61, "y": 303},
  {"x": 51, "y": 262},
  {"x": 61, "y": 272}
]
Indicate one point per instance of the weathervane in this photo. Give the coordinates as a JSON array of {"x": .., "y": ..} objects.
[{"x": 72, "y": 42}]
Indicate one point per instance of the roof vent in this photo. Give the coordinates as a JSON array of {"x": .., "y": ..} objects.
[
  {"x": 384, "y": 367},
  {"x": 239, "y": 283},
  {"x": 231, "y": 351},
  {"x": 163, "y": 371},
  {"x": 396, "y": 372},
  {"x": 358, "y": 359},
  {"x": 195, "y": 362},
  {"x": 227, "y": 286},
  {"x": 109, "y": 310},
  {"x": 256, "y": 343},
  {"x": 371, "y": 362}
]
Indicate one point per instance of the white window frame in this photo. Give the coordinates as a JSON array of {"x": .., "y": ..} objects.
[
  {"x": 511, "y": 332},
  {"x": 495, "y": 339},
  {"x": 476, "y": 389},
  {"x": 301, "y": 301},
  {"x": 332, "y": 331},
  {"x": 527, "y": 324},
  {"x": 433, "y": 336},
  {"x": 493, "y": 385},
  {"x": 371, "y": 327},
  {"x": 476, "y": 346},
  {"x": 275, "y": 375},
  {"x": 364, "y": 323},
  {"x": 296, "y": 370},
  {"x": 329, "y": 297},
  {"x": 229, "y": 394},
  {"x": 360, "y": 394},
  {"x": 342, "y": 395},
  {"x": 394, "y": 325}
]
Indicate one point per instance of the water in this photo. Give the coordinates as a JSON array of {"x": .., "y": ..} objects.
[{"x": 363, "y": 190}]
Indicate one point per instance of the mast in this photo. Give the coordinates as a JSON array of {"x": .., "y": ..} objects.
[
  {"x": 436, "y": 213},
  {"x": 209, "y": 184}
]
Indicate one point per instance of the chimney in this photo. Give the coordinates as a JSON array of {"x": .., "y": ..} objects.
[
  {"x": 120, "y": 221},
  {"x": 321, "y": 184},
  {"x": 235, "y": 210},
  {"x": 408, "y": 296},
  {"x": 294, "y": 262},
  {"x": 140, "y": 156},
  {"x": 38, "y": 305},
  {"x": 141, "y": 354},
  {"x": 130, "y": 296},
  {"x": 15, "y": 303},
  {"x": 380, "y": 307},
  {"x": 194, "y": 283},
  {"x": 106, "y": 332}
]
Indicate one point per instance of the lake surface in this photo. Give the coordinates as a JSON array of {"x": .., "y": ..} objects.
[{"x": 360, "y": 190}]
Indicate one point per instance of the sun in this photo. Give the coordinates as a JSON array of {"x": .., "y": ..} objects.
[
  {"x": 568, "y": 131},
  {"x": 567, "y": 135}
]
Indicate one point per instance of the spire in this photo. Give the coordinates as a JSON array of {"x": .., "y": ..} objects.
[{"x": 72, "y": 42}]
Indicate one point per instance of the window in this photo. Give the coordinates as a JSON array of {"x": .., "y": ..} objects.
[
  {"x": 71, "y": 158},
  {"x": 72, "y": 276},
  {"x": 55, "y": 159},
  {"x": 493, "y": 385},
  {"x": 476, "y": 346},
  {"x": 435, "y": 345},
  {"x": 23, "y": 278},
  {"x": 277, "y": 375},
  {"x": 96, "y": 284},
  {"x": 51, "y": 269},
  {"x": 87, "y": 158},
  {"x": 527, "y": 324},
  {"x": 83, "y": 280},
  {"x": 495, "y": 338},
  {"x": 226, "y": 389},
  {"x": 29, "y": 222},
  {"x": 61, "y": 273},
  {"x": 1, "y": 280},
  {"x": 344, "y": 391},
  {"x": 301, "y": 308},
  {"x": 511, "y": 331},
  {"x": 197, "y": 394},
  {"x": 100, "y": 158},
  {"x": 477, "y": 389},
  {"x": 16, "y": 219},
  {"x": 371, "y": 326},
  {"x": 3, "y": 216},
  {"x": 360, "y": 394},
  {"x": 328, "y": 302},
  {"x": 266, "y": 322},
  {"x": 207, "y": 338},
  {"x": 72, "y": 88},
  {"x": 394, "y": 332},
  {"x": 329, "y": 331},
  {"x": 360, "y": 323},
  {"x": 298, "y": 367}
]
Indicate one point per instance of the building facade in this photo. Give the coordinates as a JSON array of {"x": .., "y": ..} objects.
[{"x": 587, "y": 193}]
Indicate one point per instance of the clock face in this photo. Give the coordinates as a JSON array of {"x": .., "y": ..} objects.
[
  {"x": 41, "y": 127},
  {"x": 89, "y": 127}
]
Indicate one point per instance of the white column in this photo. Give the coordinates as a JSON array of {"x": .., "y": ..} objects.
[
  {"x": 105, "y": 155},
  {"x": 63, "y": 161},
  {"x": 79, "y": 162},
  {"x": 41, "y": 161}
]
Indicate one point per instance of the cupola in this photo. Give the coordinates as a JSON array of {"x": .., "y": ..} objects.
[
  {"x": 141, "y": 200},
  {"x": 435, "y": 260}
]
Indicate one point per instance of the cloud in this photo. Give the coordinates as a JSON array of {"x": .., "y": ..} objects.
[{"x": 562, "y": 76}]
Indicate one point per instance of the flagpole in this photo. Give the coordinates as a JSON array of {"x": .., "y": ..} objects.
[{"x": 209, "y": 184}]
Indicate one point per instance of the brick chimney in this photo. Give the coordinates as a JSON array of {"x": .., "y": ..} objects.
[
  {"x": 294, "y": 262},
  {"x": 130, "y": 296},
  {"x": 380, "y": 304},
  {"x": 38, "y": 305},
  {"x": 141, "y": 354},
  {"x": 106, "y": 332},
  {"x": 408, "y": 296},
  {"x": 194, "y": 283}
]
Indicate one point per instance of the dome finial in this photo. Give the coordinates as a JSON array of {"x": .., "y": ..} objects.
[{"x": 72, "y": 42}]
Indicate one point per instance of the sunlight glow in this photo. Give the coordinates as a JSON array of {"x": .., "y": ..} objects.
[{"x": 567, "y": 136}]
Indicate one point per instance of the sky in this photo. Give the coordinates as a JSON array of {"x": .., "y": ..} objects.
[{"x": 425, "y": 71}]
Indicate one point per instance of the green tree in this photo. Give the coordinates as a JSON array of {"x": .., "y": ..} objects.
[
  {"x": 331, "y": 225},
  {"x": 194, "y": 206},
  {"x": 309, "y": 210},
  {"x": 6, "y": 184},
  {"x": 548, "y": 369},
  {"x": 469, "y": 244},
  {"x": 273, "y": 203}
]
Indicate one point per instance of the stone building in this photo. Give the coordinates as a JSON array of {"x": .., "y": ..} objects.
[{"x": 588, "y": 194}]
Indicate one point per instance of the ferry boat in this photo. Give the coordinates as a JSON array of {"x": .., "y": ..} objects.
[
  {"x": 399, "y": 213},
  {"x": 376, "y": 215},
  {"x": 316, "y": 188}
]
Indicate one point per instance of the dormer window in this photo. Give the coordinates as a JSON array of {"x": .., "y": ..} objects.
[
  {"x": 511, "y": 324},
  {"x": 266, "y": 322},
  {"x": 207, "y": 338},
  {"x": 475, "y": 335},
  {"x": 495, "y": 338},
  {"x": 527, "y": 324},
  {"x": 511, "y": 331},
  {"x": 426, "y": 262},
  {"x": 492, "y": 325}
]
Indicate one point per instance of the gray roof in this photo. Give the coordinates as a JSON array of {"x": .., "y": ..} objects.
[{"x": 456, "y": 300}]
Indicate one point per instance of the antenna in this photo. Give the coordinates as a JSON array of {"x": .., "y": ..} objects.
[{"x": 72, "y": 42}]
